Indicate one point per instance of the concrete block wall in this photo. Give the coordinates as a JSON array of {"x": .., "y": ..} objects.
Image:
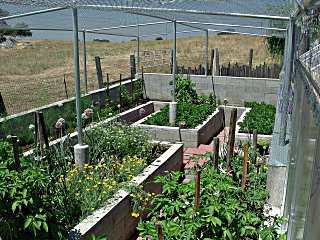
[
  {"x": 190, "y": 137},
  {"x": 235, "y": 89},
  {"x": 115, "y": 220}
]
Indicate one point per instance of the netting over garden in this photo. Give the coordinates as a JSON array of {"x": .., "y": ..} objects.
[{"x": 110, "y": 15}]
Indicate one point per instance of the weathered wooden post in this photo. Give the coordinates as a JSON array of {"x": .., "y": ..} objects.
[
  {"x": 40, "y": 133},
  {"x": 2, "y": 106},
  {"x": 133, "y": 70},
  {"x": 254, "y": 145},
  {"x": 14, "y": 140},
  {"x": 216, "y": 65},
  {"x": 232, "y": 133},
  {"x": 245, "y": 166},
  {"x": 215, "y": 153},
  {"x": 159, "y": 230},
  {"x": 197, "y": 192},
  {"x": 250, "y": 58},
  {"x": 99, "y": 71},
  {"x": 211, "y": 62},
  {"x": 65, "y": 85},
  {"x": 120, "y": 93},
  {"x": 108, "y": 85}
]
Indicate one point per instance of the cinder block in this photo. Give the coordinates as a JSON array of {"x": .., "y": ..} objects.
[{"x": 272, "y": 83}]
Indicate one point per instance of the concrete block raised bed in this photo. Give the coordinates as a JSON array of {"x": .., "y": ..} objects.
[
  {"x": 115, "y": 220},
  {"x": 246, "y": 136},
  {"x": 202, "y": 134}
]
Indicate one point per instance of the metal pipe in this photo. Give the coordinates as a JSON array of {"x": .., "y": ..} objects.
[
  {"x": 234, "y": 25},
  {"x": 174, "y": 61},
  {"x": 138, "y": 10},
  {"x": 206, "y": 53},
  {"x": 138, "y": 55},
  {"x": 111, "y": 34},
  {"x": 32, "y": 13},
  {"x": 77, "y": 74},
  {"x": 287, "y": 79},
  {"x": 129, "y": 26},
  {"x": 85, "y": 62}
]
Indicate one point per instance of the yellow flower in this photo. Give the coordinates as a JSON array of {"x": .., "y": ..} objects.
[
  {"x": 141, "y": 186},
  {"x": 135, "y": 214},
  {"x": 77, "y": 194},
  {"x": 69, "y": 163},
  {"x": 132, "y": 195},
  {"x": 147, "y": 199},
  {"x": 152, "y": 194},
  {"x": 90, "y": 166},
  {"x": 88, "y": 189},
  {"x": 91, "y": 173},
  {"x": 148, "y": 194},
  {"x": 92, "y": 209},
  {"x": 80, "y": 181},
  {"x": 109, "y": 201},
  {"x": 99, "y": 199},
  {"x": 86, "y": 165},
  {"x": 95, "y": 186}
]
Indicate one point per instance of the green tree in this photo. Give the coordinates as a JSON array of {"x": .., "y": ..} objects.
[{"x": 20, "y": 29}]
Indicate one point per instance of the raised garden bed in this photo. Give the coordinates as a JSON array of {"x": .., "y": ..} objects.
[
  {"x": 258, "y": 116},
  {"x": 201, "y": 134},
  {"x": 115, "y": 219}
]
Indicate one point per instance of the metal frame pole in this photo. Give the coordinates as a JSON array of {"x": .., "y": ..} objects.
[
  {"x": 85, "y": 62},
  {"x": 287, "y": 79},
  {"x": 206, "y": 53},
  {"x": 138, "y": 55},
  {"x": 174, "y": 60},
  {"x": 77, "y": 73}
]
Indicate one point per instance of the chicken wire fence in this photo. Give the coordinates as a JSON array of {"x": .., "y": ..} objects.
[{"x": 302, "y": 192}]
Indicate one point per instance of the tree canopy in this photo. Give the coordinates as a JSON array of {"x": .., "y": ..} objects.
[{"x": 20, "y": 29}]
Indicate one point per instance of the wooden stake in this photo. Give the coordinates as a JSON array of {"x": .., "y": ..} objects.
[
  {"x": 215, "y": 153},
  {"x": 159, "y": 230},
  {"x": 15, "y": 152},
  {"x": 245, "y": 166},
  {"x": 197, "y": 193},
  {"x": 254, "y": 145},
  {"x": 232, "y": 133},
  {"x": 99, "y": 71},
  {"x": 120, "y": 92},
  {"x": 65, "y": 85},
  {"x": 108, "y": 85},
  {"x": 36, "y": 137},
  {"x": 39, "y": 130},
  {"x": 250, "y": 58}
]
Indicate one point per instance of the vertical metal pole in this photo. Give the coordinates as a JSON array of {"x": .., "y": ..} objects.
[
  {"x": 287, "y": 79},
  {"x": 207, "y": 49},
  {"x": 174, "y": 60},
  {"x": 77, "y": 73},
  {"x": 138, "y": 55},
  {"x": 85, "y": 62}
]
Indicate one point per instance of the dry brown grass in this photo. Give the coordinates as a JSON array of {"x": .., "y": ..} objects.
[{"x": 32, "y": 77}]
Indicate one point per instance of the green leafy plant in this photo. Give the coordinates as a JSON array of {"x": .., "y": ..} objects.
[
  {"x": 192, "y": 114},
  {"x": 226, "y": 210},
  {"x": 260, "y": 117},
  {"x": 185, "y": 91}
]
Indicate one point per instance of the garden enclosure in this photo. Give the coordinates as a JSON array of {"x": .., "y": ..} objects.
[{"x": 186, "y": 16}]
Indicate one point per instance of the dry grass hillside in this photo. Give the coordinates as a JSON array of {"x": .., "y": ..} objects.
[{"x": 31, "y": 77}]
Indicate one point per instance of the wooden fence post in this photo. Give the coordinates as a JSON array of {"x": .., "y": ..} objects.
[
  {"x": 14, "y": 140},
  {"x": 120, "y": 92},
  {"x": 245, "y": 166},
  {"x": 40, "y": 133},
  {"x": 211, "y": 62},
  {"x": 197, "y": 192},
  {"x": 232, "y": 133},
  {"x": 132, "y": 66},
  {"x": 250, "y": 58},
  {"x": 65, "y": 85},
  {"x": 254, "y": 145},
  {"x": 215, "y": 152},
  {"x": 216, "y": 65},
  {"x": 2, "y": 106},
  {"x": 99, "y": 71},
  {"x": 108, "y": 85}
]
